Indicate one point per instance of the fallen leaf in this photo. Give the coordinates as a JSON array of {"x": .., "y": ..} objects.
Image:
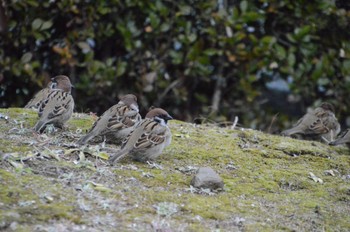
[
  {"x": 329, "y": 172},
  {"x": 182, "y": 135},
  {"x": 81, "y": 156},
  {"x": 49, "y": 198},
  {"x": 70, "y": 151},
  {"x": 16, "y": 164},
  {"x": 315, "y": 178},
  {"x": 99, "y": 187},
  {"x": 102, "y": 155}
]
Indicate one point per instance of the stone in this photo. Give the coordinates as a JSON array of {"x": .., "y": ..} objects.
[{"x": 206, "y": 177}]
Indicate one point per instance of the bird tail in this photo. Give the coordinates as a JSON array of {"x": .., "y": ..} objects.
[
  {"x": 338, "y": 141},
  {"x": 83, "y": 140},
  {"x": 121, "y": 154},
  {"x": 39, "y": 126},
  {"x": 290, "y": 132}
]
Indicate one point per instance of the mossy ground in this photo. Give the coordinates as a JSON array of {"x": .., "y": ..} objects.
[{"x": 49, "y": 184}]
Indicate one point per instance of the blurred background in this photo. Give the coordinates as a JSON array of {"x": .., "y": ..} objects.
[{"x": 265, "y": 61}]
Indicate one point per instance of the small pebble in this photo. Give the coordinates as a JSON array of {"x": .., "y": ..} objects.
[{"x": 206, "y": 177}]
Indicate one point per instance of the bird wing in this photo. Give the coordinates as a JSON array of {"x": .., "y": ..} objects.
[
  {"x": 35, "y": 102},
  {"x": 100, "y": 125},
  {"x": 146, "y": 134},
  {"x": 317, "y": 127},
  {"x": 57, "y": 103},
  {"x": 301, "y": 125},
  {"x": 43, "y": 104},
  {"x": 122, "y": 117},
  {"x": 153, "y": 135},
  {"x": 325, "y": 121},
  {"x": 116, "y": 118},
  {"x": 311, "y": 123}
]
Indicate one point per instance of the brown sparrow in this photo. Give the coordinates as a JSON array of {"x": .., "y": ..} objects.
[
  {"x": 58, "y": 107},
  {"x": 116, "y": 122},
  {"x": 317, "y": 124},
  {"x": 148, "y": 139},
  {"x": 344, "y": 138},
  {"x": 35, "y": 102}
]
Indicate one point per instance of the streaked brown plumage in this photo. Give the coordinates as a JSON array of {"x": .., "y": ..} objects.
[
  {"x": 343, "y": 139},
  {"x": 149, "y": 138},
  {"x": 35, "y": 102},
  {"x": 58, "y": 107},
  {"x": 116, "y": 122},
  {"x": 317, "y": 124}
]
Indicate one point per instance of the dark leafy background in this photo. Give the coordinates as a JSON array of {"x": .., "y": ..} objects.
[{"x": 264, "y": 61}]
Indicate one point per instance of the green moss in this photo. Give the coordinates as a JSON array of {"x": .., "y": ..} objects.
[
  {"x": 80, "y": 121},
  {"x": 22, "y": 200},
  {"x": 27, "y": 116},
  {"x": 7, "y": 147},
  {"x": 15, "y": 112}
]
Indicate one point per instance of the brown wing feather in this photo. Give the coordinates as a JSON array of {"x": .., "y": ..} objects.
[
  {"x": 325, "y": 122},
  {"x": 317, "y": 127},
  {"x": 156, "y": 139},
  {"x": 151, "y": 137},
  {"x": 62, "y": 108},
  {"x": 121, "y": 120},
  {"x": 44, "y": 103},
  {"x": 35, "y": 102}
]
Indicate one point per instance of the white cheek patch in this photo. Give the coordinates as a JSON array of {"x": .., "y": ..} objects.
[
  {"x": 134, "y": 107},
  {"x": 160, "y": 121}
]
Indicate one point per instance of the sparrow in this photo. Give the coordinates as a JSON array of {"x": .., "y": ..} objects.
[
  {"x": 344, "y": 138},
  {"x": 148, "y": 139},
  {"x": 58, "y": 106},
  {"x": 320, "y": 123},
  {"x": 116, "y": 122},
  {"x": 35, "y": 102}
]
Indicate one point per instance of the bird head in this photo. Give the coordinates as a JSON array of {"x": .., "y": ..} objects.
[
  {"x": 61, "y": 82},
  {"x": 131, "y": 101},
  {"x": 159, "y": 115},
  {"x": 327, "y": 106}
]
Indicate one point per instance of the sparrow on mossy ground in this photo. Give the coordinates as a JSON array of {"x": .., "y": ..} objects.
[
  {"x": 318, "y": 124},
  {"x": 148, "y": 139},
  {"x": 116, "y": 122},
  {"x": 58, "y": 106}
]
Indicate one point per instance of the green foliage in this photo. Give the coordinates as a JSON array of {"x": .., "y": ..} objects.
[{"x": 179, "y": 55}]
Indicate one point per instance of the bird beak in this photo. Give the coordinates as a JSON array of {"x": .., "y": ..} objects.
[
  {"x": 52, "y": 79},
  {"x": 168, "y": 117},
  {"x": 72, "y": 86}
]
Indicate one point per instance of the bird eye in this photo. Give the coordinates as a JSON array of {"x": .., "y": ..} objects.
[{"x": 53, "y": 85}]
